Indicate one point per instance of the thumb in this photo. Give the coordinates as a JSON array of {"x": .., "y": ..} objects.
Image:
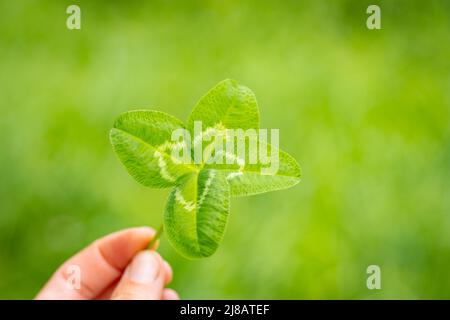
[{"x": 143, "y": 279}]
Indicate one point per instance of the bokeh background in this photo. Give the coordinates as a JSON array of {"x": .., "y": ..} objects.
[{"x": 366, "y": 114}]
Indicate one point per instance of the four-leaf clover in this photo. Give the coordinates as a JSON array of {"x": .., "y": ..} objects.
[{"x": 198, "y": 206}]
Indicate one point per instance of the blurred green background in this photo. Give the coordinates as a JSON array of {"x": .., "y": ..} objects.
[{"x": 366, "y": 114}]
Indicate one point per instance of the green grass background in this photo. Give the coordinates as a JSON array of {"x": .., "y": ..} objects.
[{"x": 366, "y": 114}]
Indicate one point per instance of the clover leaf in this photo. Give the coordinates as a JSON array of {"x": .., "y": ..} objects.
[{"x": 198, "y": 206}]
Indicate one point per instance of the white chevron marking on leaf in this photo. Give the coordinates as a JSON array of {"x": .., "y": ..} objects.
[
  {"x": 218, "y": 129},
  {"x": 171, "y": 146},
  {"x": 206, "y": 189},
  {"x": 208, "y": 133},
  {"x": 187, "y": 205},
  {"x": 163, "y": 167},
  {"x": 232, "y": 175},
  {"x": 239, "y": 161}
]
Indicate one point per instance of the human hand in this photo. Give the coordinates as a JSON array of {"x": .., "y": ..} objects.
[{"x": 116, "y": 266}]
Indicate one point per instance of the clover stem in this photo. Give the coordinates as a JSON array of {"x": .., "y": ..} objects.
[{"x": 156, "y": 237}]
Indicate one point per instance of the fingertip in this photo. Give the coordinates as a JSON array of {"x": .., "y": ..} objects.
[
  {"x": 168, "y": 272},
  {"x": 142, "y": 279},
  {"x": 166, "y": 269},
  {"x": 170, "y": 294},
  {"x": 145, "y": 230}
]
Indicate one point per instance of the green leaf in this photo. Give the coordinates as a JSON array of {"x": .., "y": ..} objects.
[
  {"x": 232, "y": 106},
  {"x": 249, "y": 179},
  {"x": 196, "y": 214},
  {"x": 252, "y": 182},
  {"x": 142, "y": 141},
  {"x": 229, "y": 104}
]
